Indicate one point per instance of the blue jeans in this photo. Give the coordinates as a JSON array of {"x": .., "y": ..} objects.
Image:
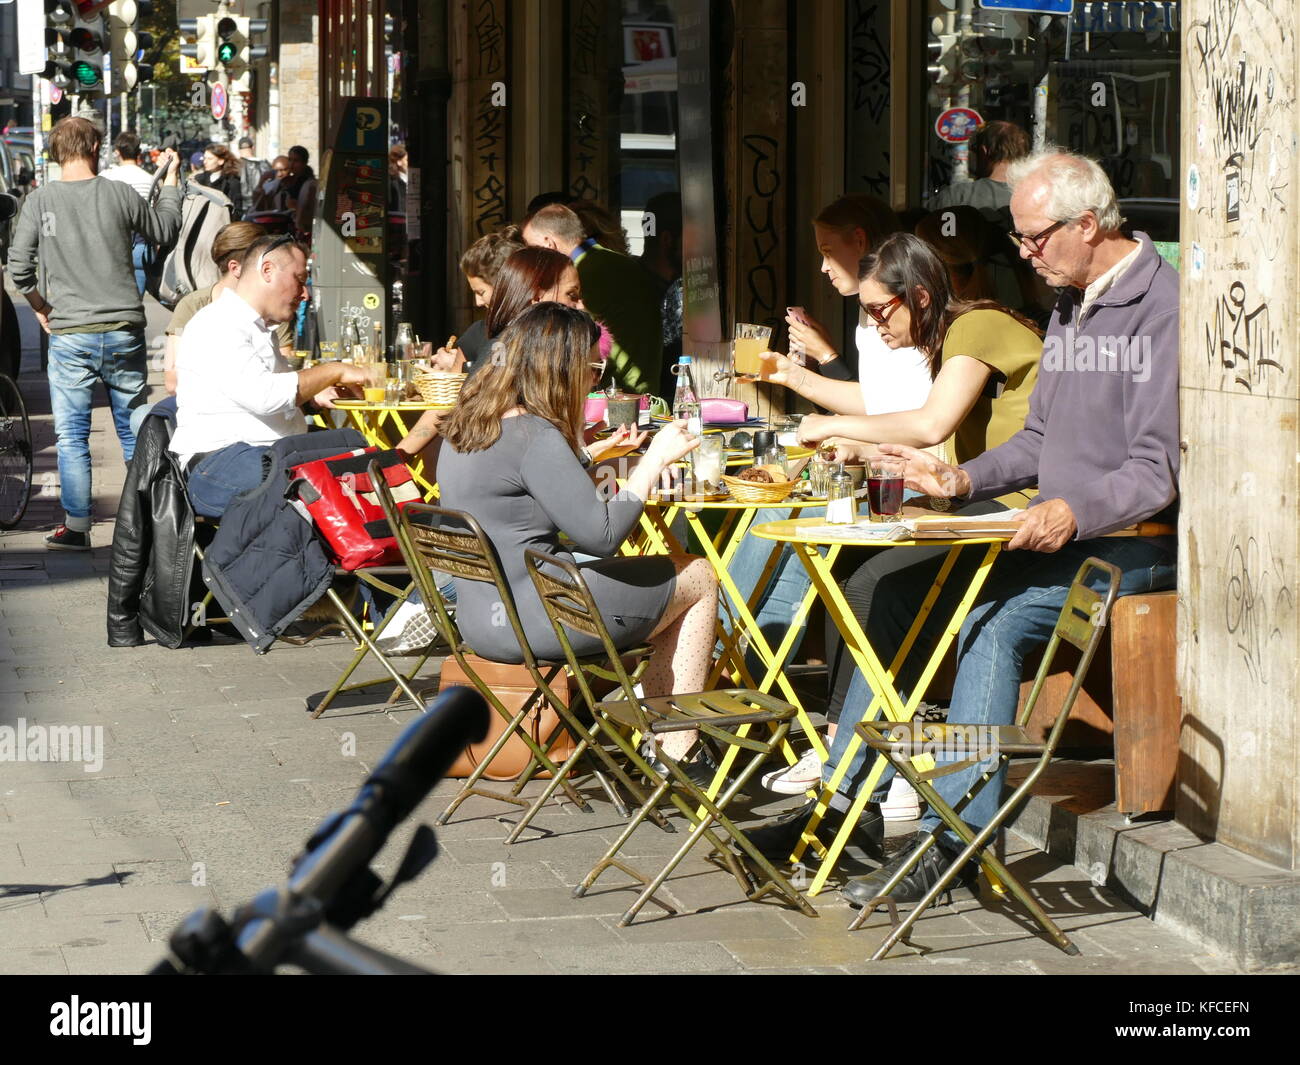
[
  {"x": 76, "y": 362},
  {"x": 785, "y": 587},
  {"x": 224, "y": 474},
  {"x": 1016, "y": 614},
  {"x": 141, "y": 257}
]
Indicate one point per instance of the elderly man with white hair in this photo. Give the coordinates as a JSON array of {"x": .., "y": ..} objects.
[{"x": 1101, "y": 444}]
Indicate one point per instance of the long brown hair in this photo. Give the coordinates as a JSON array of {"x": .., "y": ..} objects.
[
  {"x": 523, "y": 277},
  {"x": 904, "y": 264},
  {"x": 229, "y": 164},
  {"x": 541, "y": 365}
]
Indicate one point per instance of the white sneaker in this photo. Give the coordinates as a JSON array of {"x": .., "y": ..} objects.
[
  {"x": 798, "y": 778},
  {"x": 903, "y": 803}
]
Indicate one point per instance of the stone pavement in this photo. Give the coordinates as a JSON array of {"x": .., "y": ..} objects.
[{"x": 213, "y": 776}]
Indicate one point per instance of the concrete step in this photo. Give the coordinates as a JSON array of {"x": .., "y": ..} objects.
[{"x": 1220, "y": 898}]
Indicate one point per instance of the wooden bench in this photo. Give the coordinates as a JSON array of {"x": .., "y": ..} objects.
[{"x": 1129, "y": 699}]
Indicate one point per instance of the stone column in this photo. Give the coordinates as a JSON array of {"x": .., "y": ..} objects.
[
  {"x": 1238, "y": 547},
  {"x": 299, "y": 77}
]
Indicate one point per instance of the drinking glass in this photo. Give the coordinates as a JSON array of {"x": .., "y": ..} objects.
[
  {"x": 376, "y": 382},
  {"x": 820, "y": 469},
  {"x": 710, "y": 461},
  {"x": 750, "y": 340},
  {"x": 622, "y": 409},
  {"x": 885, "y": 487}
]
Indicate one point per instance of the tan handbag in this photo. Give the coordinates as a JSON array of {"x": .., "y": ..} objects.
[{"x": 512, "y": 685}]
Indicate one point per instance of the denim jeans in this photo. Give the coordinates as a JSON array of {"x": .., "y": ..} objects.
[
  {"x": 76, "y": 362},
  {"x": 224, "y": 474},
  {"x": 785, "y": 587},
  {"x": 1016, "y": 613},
  {"x": 141, "y": 257}
]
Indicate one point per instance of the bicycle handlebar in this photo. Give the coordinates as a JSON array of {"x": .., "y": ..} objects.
[{"x": 288, "y": 923}]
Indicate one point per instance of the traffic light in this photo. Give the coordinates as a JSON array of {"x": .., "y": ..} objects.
[
  {"x": 235, "y": 49},
  {"x": 984, "y": 59},
  {"x": 60, "y": 17},
  {"x": 204, "y": 32},
  {"x": 88, "y": 39},
  {"x": 944, "y": 68},
  {"x": 128, "y": 43}
]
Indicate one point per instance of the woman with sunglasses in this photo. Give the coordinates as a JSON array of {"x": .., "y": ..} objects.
[
  {"x": 985, "y": 363},
  {"x": 984, "y": 360}
]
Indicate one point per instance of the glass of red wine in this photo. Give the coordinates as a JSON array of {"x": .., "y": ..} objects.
[{"x": 885, "y": 488}]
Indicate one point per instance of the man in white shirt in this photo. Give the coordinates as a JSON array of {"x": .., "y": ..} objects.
[
  {"x": 126, "y": 147},
  {"x": 235, "y": 394}
]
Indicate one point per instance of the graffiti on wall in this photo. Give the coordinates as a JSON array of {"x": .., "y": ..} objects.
[{"x": 1245, "y": 148}]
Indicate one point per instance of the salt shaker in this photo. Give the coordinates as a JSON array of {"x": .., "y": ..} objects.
[{"x": 841, "y": 505}]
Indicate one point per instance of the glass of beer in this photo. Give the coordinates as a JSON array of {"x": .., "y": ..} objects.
[{"x": 750, "y": 341}]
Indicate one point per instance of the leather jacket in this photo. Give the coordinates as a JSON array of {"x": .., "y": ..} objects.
[{"x": 151, "y": 574}]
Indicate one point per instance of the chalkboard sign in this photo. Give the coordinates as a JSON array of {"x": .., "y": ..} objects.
[{"x": 350, "y": 232}]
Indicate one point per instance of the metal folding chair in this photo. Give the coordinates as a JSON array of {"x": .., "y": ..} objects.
[
  {"x": 452, "y": 542},
  {"x": 724, "y": 717},
  {"x": 1082, "y": 622}
]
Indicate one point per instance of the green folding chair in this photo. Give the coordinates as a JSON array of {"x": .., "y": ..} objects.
[
  {"x": 1082, "y": 623},
  {"x": 724, "y": 718},
  {"x": 453, "y": 542}
]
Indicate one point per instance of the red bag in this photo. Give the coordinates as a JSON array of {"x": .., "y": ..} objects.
[{"x": 341, "y": 501}]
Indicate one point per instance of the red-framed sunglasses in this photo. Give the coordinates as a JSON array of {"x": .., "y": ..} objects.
[{"x": 880, "y": 312}]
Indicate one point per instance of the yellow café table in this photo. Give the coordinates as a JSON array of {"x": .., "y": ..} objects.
[
  {"x": 384, "y": 425},
  {"x": 719, "y": 546},
  {"x": 817, "y": 547}
]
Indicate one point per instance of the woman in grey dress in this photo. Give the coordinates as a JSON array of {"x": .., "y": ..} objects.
[{"x": 513, "y": 458}]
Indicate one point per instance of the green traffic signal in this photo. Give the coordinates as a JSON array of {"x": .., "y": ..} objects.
[
  {"x": 85, "y": 74},
  {"x": 226, "y": 52}
]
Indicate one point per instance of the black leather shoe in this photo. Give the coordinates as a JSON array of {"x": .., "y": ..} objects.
[
  {"x": 779, "y": 836},
  {"x": 701, "y": 770},
  {"x": 913, "y": 887}
]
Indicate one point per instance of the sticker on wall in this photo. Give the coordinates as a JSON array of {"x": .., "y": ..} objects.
[
  {"x": 1232, "y": 185},
  {"x": 957, "y": 124},
  {"x": 1193, "y": 187},
  {"x": 1198, "y": 261}
]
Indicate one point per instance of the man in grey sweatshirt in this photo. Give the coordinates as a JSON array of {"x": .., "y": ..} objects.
[
  {"x": 81, "y": 228},
  {"x": 1100, "y": 442}
]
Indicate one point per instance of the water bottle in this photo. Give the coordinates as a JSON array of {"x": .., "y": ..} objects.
[
  {"x": 686, "y": 405},
  {"x": 349, "y": 341},
  {"x": 841, "y": 505}
]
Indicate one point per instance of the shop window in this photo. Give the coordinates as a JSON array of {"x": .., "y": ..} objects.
[{"x": 1103, "y": 81}]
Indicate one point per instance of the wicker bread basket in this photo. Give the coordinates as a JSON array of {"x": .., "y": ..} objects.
[
  {"x": 757, "y": 491},
  {"x": 440, "y": 389}
]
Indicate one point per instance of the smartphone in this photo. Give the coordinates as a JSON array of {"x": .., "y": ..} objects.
[{"x": 796, "y": 352}]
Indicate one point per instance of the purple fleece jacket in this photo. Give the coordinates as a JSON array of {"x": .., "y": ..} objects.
[{"x": 1102, "y": 429}]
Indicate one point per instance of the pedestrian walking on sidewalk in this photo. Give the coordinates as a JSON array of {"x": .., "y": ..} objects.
[{"x": 82, "y": 228}]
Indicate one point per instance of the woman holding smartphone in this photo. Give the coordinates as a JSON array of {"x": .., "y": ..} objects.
[
  {"x": 512, "y": 458},
  {"x": 887, "y": 379},
  {"x": 986, "y": 363}
]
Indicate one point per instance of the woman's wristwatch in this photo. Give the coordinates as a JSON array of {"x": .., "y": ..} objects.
[{"x": 829, "y": 358}]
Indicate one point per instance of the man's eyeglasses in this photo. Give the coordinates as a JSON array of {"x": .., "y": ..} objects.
[
  {"x": 880, "y": 312},
  {"x": 1036, "y": 242},
  {"x": 281, "y": 241}
]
